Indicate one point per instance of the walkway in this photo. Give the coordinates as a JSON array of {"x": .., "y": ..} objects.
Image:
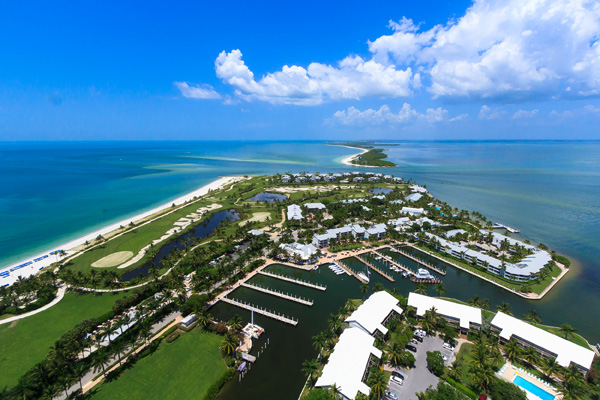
[
  {"x": 349, "y": 271},
  {"x": 374, "y": 268},
  {"x": 59, "y": 296},
  {"x": 293, "y": 280},
  {"x": 423, "y": 263},
  {"x": 261, "y": 311},
  {"x": 278, "y": 294},
  {"x": 394, "y": 263}
]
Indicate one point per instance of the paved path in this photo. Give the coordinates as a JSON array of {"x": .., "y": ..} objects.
[{"x": 59, "y": 296}]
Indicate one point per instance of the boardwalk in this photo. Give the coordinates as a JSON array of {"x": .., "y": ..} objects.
[
  {"x": 293, "y": 280},
  {"x": 349, "y": 271},
  {"x": 380, "y": 272},
  {"x": 423, "y": 263},
  {"x": 278, "y": 294},
  {"x": 391, "y": 261},
  {"x": 261, "y": 311}
]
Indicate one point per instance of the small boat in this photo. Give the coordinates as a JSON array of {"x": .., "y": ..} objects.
[{"x": 362, "y": 276}]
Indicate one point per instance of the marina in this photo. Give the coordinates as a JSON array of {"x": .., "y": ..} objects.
[
  {"x": 278, "y": 294},
  {"x": 261, "y": 311},
  {"x": 293, "y": 280}
]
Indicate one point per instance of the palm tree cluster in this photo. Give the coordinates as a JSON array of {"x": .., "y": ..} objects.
[
  {"x": 485, "y": 357},
  {"x": 27, "y": 294}
]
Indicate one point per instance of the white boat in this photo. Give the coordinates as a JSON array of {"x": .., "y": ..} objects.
[
  {"x": 362, "y": 276},
  {"x": 422, "y": 273}
]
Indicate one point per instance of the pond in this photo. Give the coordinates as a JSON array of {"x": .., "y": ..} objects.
[
  {"x": 201, "y": 231},
  {"x": 268, "y": 197},
  {"x": 380, "y": 191}
]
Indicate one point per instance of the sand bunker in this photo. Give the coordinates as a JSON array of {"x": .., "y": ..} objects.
[
  {"x": 112, "y": 260},
  {"x": 260, "y": 217}
]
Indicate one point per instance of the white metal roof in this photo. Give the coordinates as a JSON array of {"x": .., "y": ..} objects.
[
  {"x": 465, "y": 314},
  {"x": 413, "y": 197},
  {"x": 566, "y": 351},
  {"x": 347, "y": 363},
  {"x": 317, "y": 206},
  {"x": 294, "y": 212},
  {"x": 373, "y": 311}
]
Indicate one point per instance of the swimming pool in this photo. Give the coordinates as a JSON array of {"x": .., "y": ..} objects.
[{"x": 531, "y": 388}]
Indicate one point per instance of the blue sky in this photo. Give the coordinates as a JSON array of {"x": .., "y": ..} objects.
[{"x": 488, "y": 69}]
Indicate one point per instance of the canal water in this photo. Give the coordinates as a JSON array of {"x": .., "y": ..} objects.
[
  {"x": 278, "y": 370},
  {"x": 201, "y": 231}
]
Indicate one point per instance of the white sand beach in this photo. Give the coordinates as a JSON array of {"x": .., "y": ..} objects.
[{"x": 36, "y": 266}]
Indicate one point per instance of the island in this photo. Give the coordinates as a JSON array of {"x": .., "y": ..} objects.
[
  {"x": 195, "y": 291},
  {"x": 369, "y": 156}
]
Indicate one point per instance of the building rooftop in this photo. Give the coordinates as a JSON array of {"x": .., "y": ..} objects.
[
  {"x": 414, "y": 197},
  {"x": 348, "y": 362},
  {"x": 294, "y": 212},
  {"x": 465, "y": 314},
  {"x": 315, "y": 206},
  {"x": 565, "y": 351},
  {"x": 373, "y": 312}
]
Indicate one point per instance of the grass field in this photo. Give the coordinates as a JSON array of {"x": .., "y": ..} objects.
[
  {"x": 183, "y": 369},
  {"x": 27, "y": 343}
]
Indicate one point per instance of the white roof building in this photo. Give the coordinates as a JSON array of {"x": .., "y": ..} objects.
[
  {"x": 412, "y": 211},
  {"x": 453, "y": 232},
  {"x": 294, "y": 212},
  {"x": 466, "y": 316},
  {"x": 305, "y": 251},
  {"x": 256, "y": 232},
  {"x": 348, "y": 365},
  {"x": 564, "y": 351},
  {"x": 414, "y": 197},
  {"x": 374, "y": 312},
  {"x": 315, "y": 206},
  {"x": 418, "y": 189}
]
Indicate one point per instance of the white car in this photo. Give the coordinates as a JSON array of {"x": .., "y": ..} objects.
[
  {"x": 448, "y": 346},
  {"x": 445, "y": 358},
  {"x": 397, "y": 380}
]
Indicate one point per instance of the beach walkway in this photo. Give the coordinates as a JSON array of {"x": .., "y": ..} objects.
[
  {"x": 278, "y": 294},
  {"x": 261, "y": 311}
]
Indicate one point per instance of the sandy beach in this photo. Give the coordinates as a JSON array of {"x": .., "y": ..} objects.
[
  {"x": 34, "y": 268},
  {"x": 348, "y": 160}
]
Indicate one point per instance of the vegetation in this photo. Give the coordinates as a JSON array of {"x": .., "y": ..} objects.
[{"x": 373, "y": 158}]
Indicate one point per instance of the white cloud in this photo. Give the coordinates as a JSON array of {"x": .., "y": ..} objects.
[
  {"x": 197, "y": 92},
  {"x": 511, "y": 49},
  {"x": 353, "y": 78},
  {"x": 406, "y": 116},
  {"x": 459, "y": 117},
  {"x": 487, "y": 113},
  {"x": 524, "y": 114}
]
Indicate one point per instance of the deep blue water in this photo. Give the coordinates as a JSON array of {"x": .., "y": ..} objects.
[{"x": 54, "y": 192}]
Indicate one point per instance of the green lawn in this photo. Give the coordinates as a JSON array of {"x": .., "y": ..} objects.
[
  {"x": 28, "y": 342},
  {"x": 574, "y": 337},
  {"x": 183, "y": 369}
]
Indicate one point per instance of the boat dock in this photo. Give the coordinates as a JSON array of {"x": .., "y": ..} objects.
[
  {"x": 498, "y": 225},
  {"x": 261, "y": 311},
  {"x": 248, "y": 357},
  {"x": 350, "y": 271},
  {"x": 278, "y": 294},
  {"x": 293, "y": 280},
  {"x": 394, "y": 263},
  {"x": 423, "y": 263},
  {"x": 374, "y": 268}
]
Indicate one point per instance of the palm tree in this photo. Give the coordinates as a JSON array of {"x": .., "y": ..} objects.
[
  {"x": 335, "y": 391},
  {"x": 235, "y": 323},
  {"x": 483, "y": 376},
  {"x": 378, "y": 383},
  {"x": 80, "y": 369},
  {"x": 394, "y": 354},
  {"x": 421, "y": 288},
  {"x": 378, "y": 287},
  {"x": 229, "y": 344},
  {"x": 485, "y": 304},
  {"x": 534, "y": 317},
  {"x": 531, "y": 356},
  {"x": 505, "y": 308},
  {"x": 319, "y": 342},
  {"x": 119, "y": 348},
  {"x": 350, "y": 306},
  {"x": 109, "y": 330},
  {"x": 474, "y": 302},
  {"x": 440, "y": 288},
  {"x": 309, "y": 368},
  {"x": 566, "y": 330},
  {"x": 364, "y": 289},
  {"x": 204, "y": 319},
  {"x": 550, "y": 367},
  {"x": 23, "y": 388},
  {"x": 512, "y": 349}
]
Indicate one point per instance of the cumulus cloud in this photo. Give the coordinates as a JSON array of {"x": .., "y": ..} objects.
[
  {"x": 524, "y": 114},
  {"x": 459, "y": 117},
  {"x": 353, "y": 78},
  {"x": 197, "y": 92},
  {"x": 488, "y": 113},
  {"x": 405, "y": 116}
]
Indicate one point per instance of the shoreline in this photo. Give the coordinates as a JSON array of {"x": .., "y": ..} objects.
[
  {"x": 348, "y": 160},
  {"x": 34, "y": 268}
]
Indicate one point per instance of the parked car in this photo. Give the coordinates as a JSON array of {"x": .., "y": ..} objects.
[
  {"x": 411, "y": 348},
  {"x": 448, "y": 346},
  {"x": 445, "y": 358},
  {"x": 414, "y": 341},
  {"x": 419, "y": 338},
  {"x": 420, "y": 333},
  {"x": 397, "y": 380},
  {"x": 391, "y": 395},
  {"x": 398, "y": 374}
]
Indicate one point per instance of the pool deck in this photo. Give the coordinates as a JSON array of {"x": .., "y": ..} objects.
[{"x": 509, "y": 375}]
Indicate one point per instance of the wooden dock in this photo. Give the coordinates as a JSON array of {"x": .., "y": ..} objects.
[
  {"x": 293, "y": 280},
  {"x": 349, "y": 271},
  {"x": 423, "y": 263},
  {"x": 278, "y": 294},
  {"x": 374, "y": 268},
  {"x": 395, "y": 263},
  {"x": 261, "y": 311}
]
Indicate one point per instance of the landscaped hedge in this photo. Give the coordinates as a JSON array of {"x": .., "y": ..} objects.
[
  {"x": 562, "y": 259},
  {"x": 462, "y": 388},
  {"x": 172, "y": 337}
]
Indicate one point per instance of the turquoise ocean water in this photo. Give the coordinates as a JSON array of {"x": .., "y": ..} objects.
[{"x": 51, "y": 193}]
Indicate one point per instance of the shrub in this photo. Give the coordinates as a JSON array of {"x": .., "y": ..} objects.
[
  {"x": 462, "y": 388},
  {"x": 172, "y": 337},
  {"x": 213, "y": 390}
]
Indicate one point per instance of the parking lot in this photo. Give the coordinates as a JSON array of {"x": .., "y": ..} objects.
[{"x": 418, "y": 379}]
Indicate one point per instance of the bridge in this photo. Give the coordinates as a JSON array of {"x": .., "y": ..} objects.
[
  {"x": 261, "y": 311},
  {"x": 278, "y": 294},
  {"x": 293, "y": 280}
]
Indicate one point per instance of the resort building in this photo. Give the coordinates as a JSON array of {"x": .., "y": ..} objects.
[
  {"x": 350, "y": 201},
  {"x": 304, "y": 251},
  {"x": 285, "y": 178},
  {"x": 374, "y": 179},
  {"x": 396, "y": 202},
  {"x": 412, "y": 211},
  {"x": 187, "y": 321},
  {"x": 414, "y": 197},
  {"x": 324, "y": 240},
  {"x": 315, "y": 206},
  {"x": 399, "y": 222},
  {"x": 376, "y": 232},
  {"x": 301, "y": 179},
  {"x": 417, "y": 189},
  {"x": 460, "y": 316},
  {"x": 374, "y": 313},
  {"x": 294, "y": 212},
  {"x": 523, "y": 271},
  {"x": 256, "y": 232},
  {"x": 358, "y": 179},
  {"x": 454, "y": 232},
  {"x": 349, "y": 363},
  {"x": 546, "y": 344}
]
